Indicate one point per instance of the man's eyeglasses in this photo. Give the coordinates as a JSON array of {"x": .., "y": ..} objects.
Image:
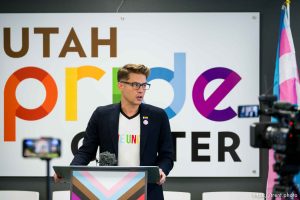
[{"x": 136, "y": 85}]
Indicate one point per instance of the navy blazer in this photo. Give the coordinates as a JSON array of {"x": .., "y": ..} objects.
[{"x": 156, "y": 147}]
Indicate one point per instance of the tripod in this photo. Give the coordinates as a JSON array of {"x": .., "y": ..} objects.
[
  {"x": 285, "y": 188},
  {"x": 48, "y": 183}
]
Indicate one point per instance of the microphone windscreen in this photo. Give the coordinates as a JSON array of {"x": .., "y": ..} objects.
[{"x": 107, "y": 159}]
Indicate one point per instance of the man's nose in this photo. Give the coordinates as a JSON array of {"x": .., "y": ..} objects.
[{"x": 141, "y": 90}]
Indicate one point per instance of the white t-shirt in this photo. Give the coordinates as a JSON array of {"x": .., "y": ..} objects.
[{"x": 129, "y": 140}]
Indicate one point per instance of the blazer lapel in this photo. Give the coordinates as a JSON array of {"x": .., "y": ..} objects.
[
  {"x": 114, "y": 127},
  {"x": 144, "y": 128}
]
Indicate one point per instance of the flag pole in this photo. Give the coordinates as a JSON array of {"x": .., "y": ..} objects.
[
  {"x": 287, "y": 2},
  {"x": 287, "y": 5}
]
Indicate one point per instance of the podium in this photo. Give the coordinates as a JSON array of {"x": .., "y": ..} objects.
[{"x": 108, "y": 182}]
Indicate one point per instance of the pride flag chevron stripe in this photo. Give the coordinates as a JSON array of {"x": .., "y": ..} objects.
[{"x": 93, "y": 185}]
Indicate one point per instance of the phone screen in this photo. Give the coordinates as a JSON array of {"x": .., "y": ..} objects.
[
  {"x": 248, "y": 111},
  {"x": 42, "y": 148}
]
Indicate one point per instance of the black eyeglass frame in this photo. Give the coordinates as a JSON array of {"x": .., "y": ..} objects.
[{"x": 137, "y": 86}]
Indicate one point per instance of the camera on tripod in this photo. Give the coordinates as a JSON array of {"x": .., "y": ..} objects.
[{"x": 282, "y": 135}]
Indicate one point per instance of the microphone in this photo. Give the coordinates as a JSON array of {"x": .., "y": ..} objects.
[
  {"x": 107, "y": 159},
  {"x": 285, "y": 106}
]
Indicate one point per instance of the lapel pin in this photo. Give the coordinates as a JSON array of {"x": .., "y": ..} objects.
[{"x": 145, "y": 120}]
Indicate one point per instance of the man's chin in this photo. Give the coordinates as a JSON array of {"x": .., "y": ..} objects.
[{"x": 138, "y": 103}]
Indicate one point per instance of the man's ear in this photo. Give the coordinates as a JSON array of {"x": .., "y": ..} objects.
[{"x": 120, "y": 86}]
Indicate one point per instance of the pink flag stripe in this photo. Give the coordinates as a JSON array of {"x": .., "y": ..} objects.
[
  {"x": 111, "y": 191},
  {"x": 284, "y": 43},
  {"x": 271, "y": 174},
  {"x": 288, "y": 91}
]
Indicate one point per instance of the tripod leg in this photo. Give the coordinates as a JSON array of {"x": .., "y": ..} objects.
[
  {"x": 296, "y": 192},
  {"x": 48, "y": 189}
]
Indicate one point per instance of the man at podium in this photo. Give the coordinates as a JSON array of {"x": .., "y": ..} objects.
[{"x": 138, "y": 134}]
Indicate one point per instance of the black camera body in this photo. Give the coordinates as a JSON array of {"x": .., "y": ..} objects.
[{"x": 282, "y": 135}]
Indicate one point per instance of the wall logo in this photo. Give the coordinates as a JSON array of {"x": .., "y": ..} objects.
[
  {"x": 206, "y": 107},
  {"x": 176, "y": 78},
  {"x": 13, "y": 109}
]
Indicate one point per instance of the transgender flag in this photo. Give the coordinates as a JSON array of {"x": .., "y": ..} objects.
[{"x": 286, "y": 79}]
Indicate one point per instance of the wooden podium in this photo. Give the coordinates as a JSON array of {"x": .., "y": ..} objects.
[{"x": 108, "y": 182}]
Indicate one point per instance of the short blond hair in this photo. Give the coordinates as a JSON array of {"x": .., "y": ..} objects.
[{"x": 123, "y": 73}]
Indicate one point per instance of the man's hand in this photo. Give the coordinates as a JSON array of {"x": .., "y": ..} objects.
[
  {"x": 162, "y": 177},
  {"x": 56, "y": 178}
]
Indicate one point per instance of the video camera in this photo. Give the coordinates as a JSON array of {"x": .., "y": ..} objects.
[{"x": 282, "y": 135}]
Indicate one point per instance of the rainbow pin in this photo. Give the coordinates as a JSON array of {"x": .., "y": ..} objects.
[{"x": 145, "y": 120}]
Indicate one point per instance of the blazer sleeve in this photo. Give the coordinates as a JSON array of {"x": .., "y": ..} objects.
[
  {"x": 87, "y": 152},
  {"x": 165, "y": 151}
]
